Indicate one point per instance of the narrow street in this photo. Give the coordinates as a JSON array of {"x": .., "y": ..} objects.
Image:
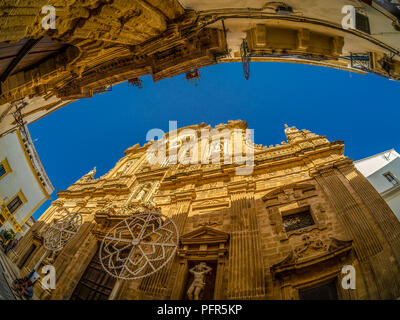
[{"x": 5, "y": 291}]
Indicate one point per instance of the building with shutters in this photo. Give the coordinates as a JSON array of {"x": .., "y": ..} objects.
[
  {"x": 383, "y": 171},
  {"x": 24, "y": 184}
]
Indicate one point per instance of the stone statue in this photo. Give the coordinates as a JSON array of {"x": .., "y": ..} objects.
[
  {"x": 143, "y": 193},
  {"x": 89, "y": 176},
  {"x": 199, "y": 272}
]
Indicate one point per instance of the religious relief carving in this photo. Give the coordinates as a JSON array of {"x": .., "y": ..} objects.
[
  {"x": 196, "y": 288},
  {"x": 311, "y": 248},
  {"x": 288, "y": 194},
  {"x": 310, "y": 245},
  {"x": 208, "y": 220}
]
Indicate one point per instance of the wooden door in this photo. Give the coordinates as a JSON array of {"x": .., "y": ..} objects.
[
  {"x": 95, "y": 284},
  {"x": 326, "y": 291}
]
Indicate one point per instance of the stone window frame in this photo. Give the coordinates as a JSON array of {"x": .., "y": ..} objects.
[
  {"x": 306, "y": 208},
  {"x": 311, "y": 209},
  {"x": 319, "y": 223},
  {"x": 391, "y": 178},
  {"x": 6, "y": 167},
  {"x": 293, "y": 198},
  {"x": 23, "y": 199}
]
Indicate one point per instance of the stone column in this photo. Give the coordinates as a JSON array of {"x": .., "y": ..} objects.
[
  {"x": 177, "y": 291},
  {"x": 246, "y": 278},
  {"x": 159, "y": 284},
  {"x": 219, "y": 293},
  {"x": 364, "y": 227},
  {"x": 379, "y": 210}
]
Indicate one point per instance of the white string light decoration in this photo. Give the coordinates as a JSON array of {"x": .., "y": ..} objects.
[
  {"x": 139, "y": 246},
  {"x": 61, "y": 231}
]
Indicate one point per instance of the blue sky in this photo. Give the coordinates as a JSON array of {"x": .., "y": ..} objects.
[{"x": 362, "y": 110}]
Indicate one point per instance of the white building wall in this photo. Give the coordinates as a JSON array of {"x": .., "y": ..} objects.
[
  {"x": 21, "y": 178},
  {"x": 374, "y": 168},
  {"x": 394, "y": 204},
  {"x": 371, "y": 164},
  {"x": 378, "y": 179}
]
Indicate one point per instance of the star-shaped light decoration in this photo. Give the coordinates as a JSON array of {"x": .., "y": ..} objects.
[{"x": 61, "y": 231}]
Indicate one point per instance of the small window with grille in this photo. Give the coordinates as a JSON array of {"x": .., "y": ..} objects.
[
  {"x": 391, "y": 178},
  {"x": 4, "y": 168},
  {"x": 362, "y": 23},
  {"x": 298, "y": 220}
]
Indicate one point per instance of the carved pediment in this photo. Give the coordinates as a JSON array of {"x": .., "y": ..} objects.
[
  {"x": 288, "y": 190},
  {"x": 210, "y": 220},
  {"x": 204, "y": 235}
]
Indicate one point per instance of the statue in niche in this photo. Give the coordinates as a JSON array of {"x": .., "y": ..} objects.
[{"x": 199, "y": 272}]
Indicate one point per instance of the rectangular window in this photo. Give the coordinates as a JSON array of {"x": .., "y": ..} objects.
[
  {"x": 298, "y": 220},
  {"x": 391, "y": 178},
  {"x": 14, "y": 204},
  {"x": 362, "y": 23},
  {"x": 4, "y": 168}
]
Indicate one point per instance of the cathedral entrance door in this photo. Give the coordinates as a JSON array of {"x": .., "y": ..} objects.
[
  {"x": 326, "y": 291},
  {"x": 95, "y": 284}
]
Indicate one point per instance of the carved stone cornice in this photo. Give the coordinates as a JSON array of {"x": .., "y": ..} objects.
[
  {"x": 241, "y": 186},
  {"x": 58, "y": 203},
  {"x": 110, "y": 214},
  {"x": 203, "y": 237},
  {"x": 111, "y": 209},
  {"x": 211, "y": 203},
  {"x": 187, "y": 195},
  {"x": 329, "y": 168}
]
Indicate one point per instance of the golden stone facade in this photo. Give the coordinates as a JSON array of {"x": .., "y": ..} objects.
[{"x": 288, "y": 227}]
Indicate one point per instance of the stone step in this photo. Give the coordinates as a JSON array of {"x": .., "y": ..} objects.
[{"x": 11, "y": 272}]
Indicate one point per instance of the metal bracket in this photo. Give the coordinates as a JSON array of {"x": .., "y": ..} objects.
[{"x": 245, "y": 55}]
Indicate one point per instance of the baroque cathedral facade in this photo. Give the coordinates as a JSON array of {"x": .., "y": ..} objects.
[{"x": 285, "y": 231}]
